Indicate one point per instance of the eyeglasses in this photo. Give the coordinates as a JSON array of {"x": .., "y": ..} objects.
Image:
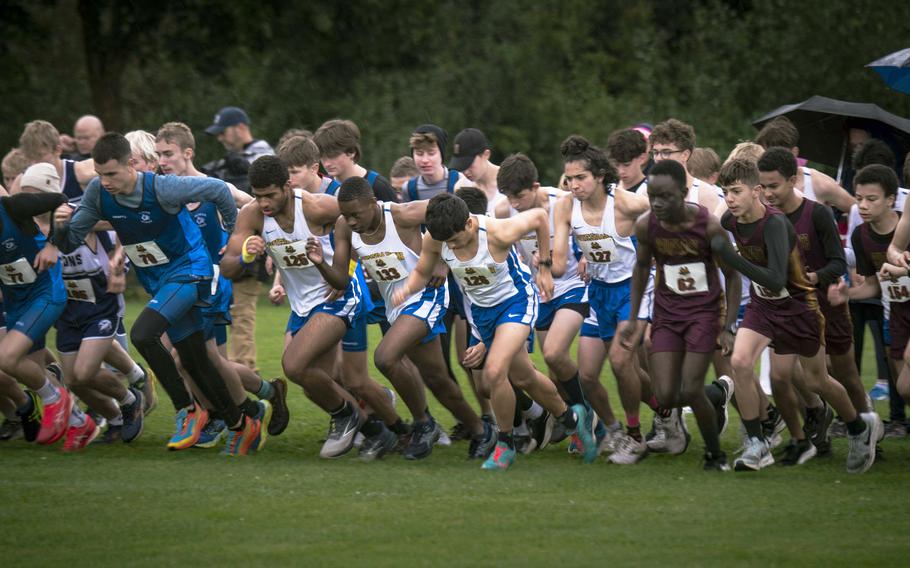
[{"x": 664, "y": 154}]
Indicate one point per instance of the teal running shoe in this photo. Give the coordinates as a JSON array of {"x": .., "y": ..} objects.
[
  {"x": 502, "y": 457},
  {"x": 585, "y": 433}
]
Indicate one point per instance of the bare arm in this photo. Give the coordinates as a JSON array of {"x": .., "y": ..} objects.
[
  {"x": 244, "y": 239},
  {"x": 337, "y": 274},
  {"x": 240, "y": 197},
  {"x": 830, "y": 193},
  {"x": 430, "y": 255},
  {"x": 897, "y": 250},
  {"x": 563, "y": 220}
]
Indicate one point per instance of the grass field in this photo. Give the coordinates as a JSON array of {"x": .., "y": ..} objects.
[{"x": 141, "y": 505}]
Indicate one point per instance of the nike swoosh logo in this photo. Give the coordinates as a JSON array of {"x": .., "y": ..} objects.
[{"x": 514, "y": 315}]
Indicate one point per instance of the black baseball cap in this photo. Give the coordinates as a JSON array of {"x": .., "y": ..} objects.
[
  {"x": 469, "y": 143},
  {"x": 228, "y": 116}
]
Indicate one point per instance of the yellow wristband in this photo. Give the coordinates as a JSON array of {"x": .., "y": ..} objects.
[{"x": 246, "y": 256}]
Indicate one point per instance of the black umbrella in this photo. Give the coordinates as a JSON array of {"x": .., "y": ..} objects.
[
  {"x": 895, "y": 70},
  {"x": 823, "y": 125}
]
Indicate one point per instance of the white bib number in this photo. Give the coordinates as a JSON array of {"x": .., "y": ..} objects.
[
  {"x": 600, "y": 251},
  {"x": 898, "y": 291},
  {"x": 291, "y": 256},
  {"x": 146, "y": 254},
  {"x": 386, "y": 268},
  {"x": 17, "y": 273},
  {"x": 689, "y": 278},
  {"x": 474, "y": 276},
  {"x": 80, "y": 290},
  {"x": 767, "y": 294}
]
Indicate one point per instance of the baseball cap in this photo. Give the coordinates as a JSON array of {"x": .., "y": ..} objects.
[
  {"x": 468, "y": 144},
  {"x": 228, "y": 116},
  {"x": 42, "y": 177}
]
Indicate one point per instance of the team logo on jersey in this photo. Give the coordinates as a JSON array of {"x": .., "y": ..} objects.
[
  {"x": 683, "y": 271},
  {"x": 200, "y": 219},
  {"x": 469, "y": 271},
  {"x": 140, "y": 248},
  {"x": 9, "y": 244},
  {"x": 105, "y": 326},
  {"x": 10, "y": 269},
  {"x": 380, "y": 263},
  {"x": 145, "y": 217},
  {"x": 595, "y": 245},
  {"x": 289, "y": 249}
]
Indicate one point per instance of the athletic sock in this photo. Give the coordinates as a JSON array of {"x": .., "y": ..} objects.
[
  {"x": 266, "y": 390},
  {"x": 536, "y": 411},
  {"x": 658, "y": 409},
  {"x": 342, "y": 411},
  {"x": 857, "y": 427},
  {"x": 77, "y": 417},
  {"x": 130, "y": 398},
  {"x": 135, "y": 375},
  {"x": 48, "y": 393},
  {"x": 399, "y": 427},
  {"x": 573, "y": 390},
  {"x": 372, "y": 427},
  {"x": 522, "y": 400},
  {"x": 633, "y": 421},
  {"x": 754, "y": 429},
  {"x": 116, "y": 421},
  {"x": 634, "y": 432},
  {"x": 507, "y": 439},
  {"x": 249, "y": 408},
  {"x": 568, "y": 419}
]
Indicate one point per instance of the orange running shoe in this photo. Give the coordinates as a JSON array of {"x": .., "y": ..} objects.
[
  {"x": 55, "y": 419},
  {"x": 78, "y": 437}
]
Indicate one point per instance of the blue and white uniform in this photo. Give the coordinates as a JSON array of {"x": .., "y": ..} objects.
[
  {"x": 91, "y": 312},
  {"x": 160, "y": 238},
  {"x": 217, "y": 315},
  {"x": 389, "y": 263},
  {"x": 498, "y": 292},
  {"x": 569, "y": 290},
  {"x": 611, "y": 258},
  {"x": 305, "y": 286},
  {"x": 32, "y": 300}
]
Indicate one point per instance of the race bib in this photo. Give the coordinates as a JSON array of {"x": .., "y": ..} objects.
[
  {"x": 17, "y": 273},
  {"x": 898, "y": 291},
  {"x": 146, "y": 254},
  {"x": 600, "y": 251},
  {"x": 80, "y": 290},
  {"x": 767, "y": 294},
  {"x": 291, "y": 256},
  {"x": 386, "y": 268},
  {"x": 217, "y": 270},
  {"x": 474, "y": 276},
  {"x": 687, "y": 278}
]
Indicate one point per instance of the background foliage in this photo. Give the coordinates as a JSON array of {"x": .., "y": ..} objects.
[{"x": 528, "y": 73}]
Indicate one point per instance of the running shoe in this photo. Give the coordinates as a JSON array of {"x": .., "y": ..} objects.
[
  {"x": 340, "y": 439},
  {"x": 607, "y": 440},
  {"x": 56, "y": 418},
  {"x": 861, "y": 447},
  {"x": 542, "y": 429},
  {"x": 501, "y": 459},
  {"x": 797, "y": 452},
  {"x": 147, "y": 385},
  {"x": 459, "y": 433},
  {"x": 11, "y": 429},
  {"x": 756, "y": 456},
  {"x": 895, "y": 429},
  {"x": 880, "y": 391},
  {"x": 725, "y": 383},
  {"x": 100, "y": 420},
  {"x": 559, "y": 433},
  {"x": 671, "y": 434},
  {"x": 628, "y": 450},
  {"x": 424, "y": 435},
  {"x": 817, "y": 431},
  {"x": 78, "y": 437},
  {"x": 716, "y": 462},
  {"x": 31, "y": 421},
  {"x": 377, "y": 446},
  {"x": 280, "y": 413},
  {"x": 838, "y": 429},
  {"x": 585, "y": 430},
  {"x": 252, "y": 436},
  {"x": 482, "y": 444},
  {"x": 133, "y": 417},
  {"x": 190, "y": 429},
  {"x": 444, "y": 439},
  {"x": 772, "y": 428},
  {"x": 111, "y": 435},
  {"x": 213, "y": 432}
]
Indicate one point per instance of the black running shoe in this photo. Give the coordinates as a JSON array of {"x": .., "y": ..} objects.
[
  {"x": 379, "y": 445},
  {"x": 423, "y": 437},
  {"x": 716, "y": 462},
  {"x": 817, "y": 430},
  {"x": 113, "y": 435},
  {"x": 132, "y": 417},
  {"x": 482, "y": 445},
  {"x": 542, "y": 429},
  {"x": 280, "y": 413},
  {"x": 798, "y": 452},
  {"x": 31, "y": 421},
  {"x": 459, "y": 432}
]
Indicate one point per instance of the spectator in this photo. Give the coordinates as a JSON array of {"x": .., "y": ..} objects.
[
  {"x": 403, "y": 169},
  {"x": 87, "y": 130}
]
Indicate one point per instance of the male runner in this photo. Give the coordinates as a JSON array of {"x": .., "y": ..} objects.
[
  {"x": 687, "y": 301},
  {"x": 503, "y": 306},
  {"x": 387, "y": 238},
  {"x": 286, "y": 218},
  {"x": 167, "y": 250},
  {"x": 783, "y": 313}
]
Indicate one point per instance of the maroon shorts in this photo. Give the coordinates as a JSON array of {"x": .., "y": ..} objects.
[
  {"x": 838, "y": 327},
  {"x": 799, "y": 333},
  {"x": 697, "y": 335},
  {"x": 899, "y": 327}
]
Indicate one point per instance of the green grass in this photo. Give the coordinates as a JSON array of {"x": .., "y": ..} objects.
[{"x": 142, "y": 505}]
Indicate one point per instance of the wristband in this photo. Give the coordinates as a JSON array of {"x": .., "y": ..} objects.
[
  {"x": 245, "y": 257},
  {"x": 548, "y": 262}
]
